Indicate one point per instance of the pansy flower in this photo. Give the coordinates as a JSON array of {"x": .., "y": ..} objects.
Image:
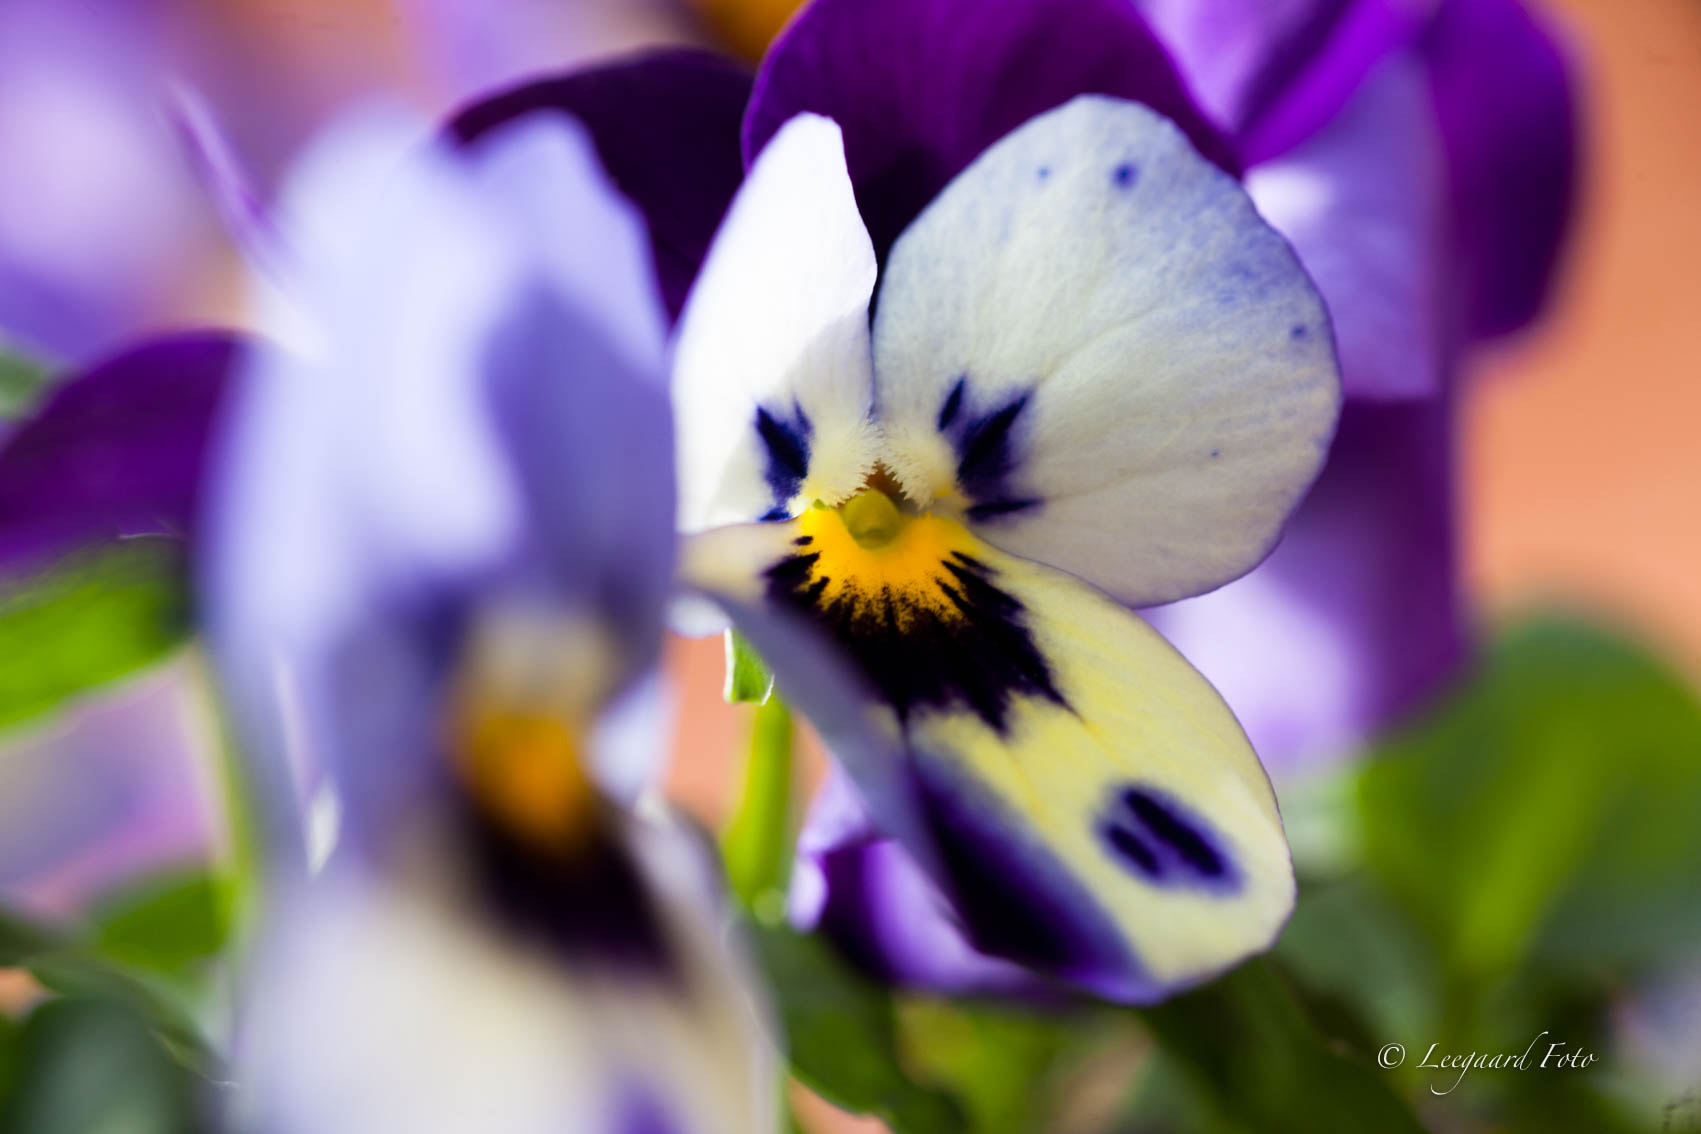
[
  {"x": 967, "y": 372},
  {"x": 421, "y": 581}
]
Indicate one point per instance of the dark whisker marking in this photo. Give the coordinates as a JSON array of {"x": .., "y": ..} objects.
[
  {"x": 975, "y": 653},
  {"x": 787, "y": 443}
]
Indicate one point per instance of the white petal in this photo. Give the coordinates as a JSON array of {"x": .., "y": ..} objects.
[
  {"x": 1093, "y": 348},
  {"x": 772, "y": 372},
  {"x": 379, "y": 1006}
]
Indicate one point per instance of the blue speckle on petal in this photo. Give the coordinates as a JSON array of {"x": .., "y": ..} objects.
[
  {"x": 1125, "y": 174},
  {"x": 1299, "y": 332},
  {"x": 1216, "y": 453},
  {"x": 1162, "y": 841}
]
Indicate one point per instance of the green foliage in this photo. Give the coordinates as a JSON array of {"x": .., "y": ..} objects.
[
  {"x": 1548, "y": 813},
  {"x": 841, "y": 1036},
  {"x": 748, "y": 678},
  {"x": 93, "y": 617},
  {"x": 756, "y": 846},
  {"x": 1266, "y": 1066},
  {"x": 93, "y": 1066},
  {"x": 149, "y": 950},
  {"x": 22, "y": 382}
]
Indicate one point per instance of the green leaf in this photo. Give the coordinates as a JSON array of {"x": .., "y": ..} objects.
[
  {"x": 21, "y": 940},
  {"x": 21, "y": 383},
  {"x": 841, "y": 1036},
  {"x": 1263, "y": 1064},
  {"x": 67, "y": 966},
  {"x": 88, "y": 620},
  {"x": 748, "y": 677},
  {"x": 93, "y": 1067},
  {"x": 1547, "y": 814},
  {"x": 757, "y": 843},
  {"x": 1016, "y": 1068},
  {"x": 166, "y": 924}
]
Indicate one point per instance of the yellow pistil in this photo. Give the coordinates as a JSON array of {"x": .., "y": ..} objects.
[
  {"x": 870, "y": 550},
  {"x": 524, "y": 770}
]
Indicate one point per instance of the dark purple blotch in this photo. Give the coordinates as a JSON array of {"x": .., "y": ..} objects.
[{"x": 1164, "y": 842}]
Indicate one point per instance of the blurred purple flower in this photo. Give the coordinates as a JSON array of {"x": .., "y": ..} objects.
[
  {"x": 105, "y": 229},
  {"x": 439, "y": 545}
]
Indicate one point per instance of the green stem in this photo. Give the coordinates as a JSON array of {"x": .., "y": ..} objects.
[{"x": 757, "y": 842}]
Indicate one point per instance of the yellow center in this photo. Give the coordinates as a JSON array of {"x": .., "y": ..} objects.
[
  {"x": 524, "y": 770},
  {"x": 872, "y": 551}
]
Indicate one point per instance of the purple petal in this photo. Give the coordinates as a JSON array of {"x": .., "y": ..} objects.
[
  {"x": 1362, "y": 201},
  {"x": 868, "y": 895},
  {"x": 921, "y": 87},
  {"x": 1358, "y": 615},
  {"x": 100, "y": 224},
  {"x": 1273, "y": 73},
  {"x": 1504, "y": 98},
  {"x": 116, "y": 450},
  {"x": 666, "y": 128}
]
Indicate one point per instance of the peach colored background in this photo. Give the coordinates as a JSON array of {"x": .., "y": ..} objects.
[{"x": 1582, "y": 460}]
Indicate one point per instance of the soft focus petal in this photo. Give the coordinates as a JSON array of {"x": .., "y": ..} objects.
[
  {"x": 388, "y": 1008},
  {"x": 1272, "y": 72},
  {"x": 772, "y": 375},
  {"x": 121, "y": 785},
  {"x": 921, "y": 87},
  {"x": 1362, "y": 203},
  {"x": 117, "y": 450},
  {"x": 487, "y": 349},
  {"x": 1358, "y": 615},
  {"x": 666, "y": 128},
  {"x": 1092, "y": 347},
  {"x": 868, "y": 895},
  {"x": 99, "y": 220},
  {"x": 1503, "y": 94},
  {"x": 478, "y": 47}
]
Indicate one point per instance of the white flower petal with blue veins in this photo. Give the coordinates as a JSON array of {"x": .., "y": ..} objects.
[
  {"x": 772, "y": 375},
  {"x": 1092, "y": 348}
]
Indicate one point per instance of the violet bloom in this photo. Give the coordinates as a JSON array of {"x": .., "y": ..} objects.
[
  {"x": 1092, "y": 378},
  {"x": 438, "y": 553}
]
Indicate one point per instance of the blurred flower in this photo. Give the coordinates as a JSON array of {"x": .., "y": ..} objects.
[
  {"x": 435, "y": 577},
  {"x": 100, "y": 220},
  {"x": 105, "y": 231}
]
